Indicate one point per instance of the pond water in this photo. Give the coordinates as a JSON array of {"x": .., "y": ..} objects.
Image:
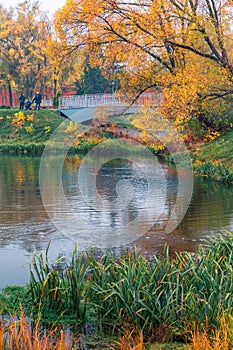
[{"x": 25, "y": 226}]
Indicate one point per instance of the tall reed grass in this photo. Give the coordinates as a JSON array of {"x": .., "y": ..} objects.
[
  {"x": 59, "y": 290},
  {"x": 167, "y": 298}
]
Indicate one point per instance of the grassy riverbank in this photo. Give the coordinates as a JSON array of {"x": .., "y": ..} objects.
[
  {"x": 28, "y": 132},
  {"x": 31, "y": 125},
  {"x": 215, "y": 159},
  {"x": 178, "y": 299}
]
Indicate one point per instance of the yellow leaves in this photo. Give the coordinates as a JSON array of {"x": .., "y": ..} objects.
[
  {"x": 30, "y": 117},
  {"x": 197, "y": 163},
  {"x": 18, "y": 119},
  {"x": 211, "y": 135},
  {"x": 20, "y": 116},
  {"x": 29, "y": 129},
  {"x": 23, "y": 41},
  {"x": 152, "y": 126},
  {"x": 53, "y": 50},
  {"x": 47, "y": 129},
  {"x": 71, "y": 128},
  {"x": 11, "y": 52},
  {"x": 182, "y": 91}
]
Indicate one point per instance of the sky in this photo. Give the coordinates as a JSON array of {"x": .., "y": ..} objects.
[{"x": 50, "y": 6}]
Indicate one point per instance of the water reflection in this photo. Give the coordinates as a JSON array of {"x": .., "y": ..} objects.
[
  {"x": 25, "y": 226},
  {"x": 210, "y": 212},
  {"x": 23, "y": 219}
]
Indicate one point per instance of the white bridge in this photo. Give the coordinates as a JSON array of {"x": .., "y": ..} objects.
[
  {"x": 88, "y": 101},
  {"x": 81, "y": 108}
]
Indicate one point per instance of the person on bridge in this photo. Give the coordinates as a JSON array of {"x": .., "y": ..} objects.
[
  {"x": 37, "y": 99},
  {"x": 21, "y": 101}
]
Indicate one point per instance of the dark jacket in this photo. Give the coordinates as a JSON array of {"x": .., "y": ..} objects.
[
  {"x": 21, "y": 98},
  {"x": 37, "y": 98}
]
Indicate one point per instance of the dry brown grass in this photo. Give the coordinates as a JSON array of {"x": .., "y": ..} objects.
[
  {"x": 19, "y": 335},
  {"x": 222, "y": 339},
  {"x": 131, "y": 340},
  {"x": 202, "y": 342}
]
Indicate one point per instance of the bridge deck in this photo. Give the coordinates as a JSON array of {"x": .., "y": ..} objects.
[
  {"x": 82, "y": 114},
  {"x": 81, "y": 108}
]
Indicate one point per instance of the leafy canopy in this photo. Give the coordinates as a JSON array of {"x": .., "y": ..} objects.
[{"x": 180, "y": 47}]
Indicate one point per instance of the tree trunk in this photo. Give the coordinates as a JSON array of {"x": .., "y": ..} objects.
[
  {"x": 3, "y": 96},
  {"x": 10, "y": 93},
  {"x": 27, "y": 88},
  {"x": 54, "y": 87}
]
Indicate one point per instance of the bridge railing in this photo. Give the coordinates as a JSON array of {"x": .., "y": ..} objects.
[
  {"x": 47, "y": 103},
  {"x": 87, "y": 101},
  {"x": 79, "y": 101}
]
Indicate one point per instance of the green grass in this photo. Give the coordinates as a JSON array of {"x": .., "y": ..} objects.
[
  {"x": 215, "y": 159},
  {"x": 220, "y": 150},
  {"x": 30, "y": 136},
  {"x": 18, "y": 140},
  {"x": 42, "y": 119},
  {"x": 12, "y": 297}
]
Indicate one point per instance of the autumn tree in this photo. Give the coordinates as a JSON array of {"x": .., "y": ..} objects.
[
  {"x": 177, "y": 47},
  {"x": 31, "y": 56},
  {"x": 7, "y": 65},
  {"x": 63, "y": 66},
  {"x": 23, "y": 38}
]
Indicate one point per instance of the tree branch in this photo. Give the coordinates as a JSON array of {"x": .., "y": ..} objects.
[
  {"x": 190, "y": 48},
  {"x": 144, "y": 49}
]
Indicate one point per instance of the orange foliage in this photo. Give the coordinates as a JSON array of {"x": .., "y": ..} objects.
[{"x": 178, "y": 50}]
